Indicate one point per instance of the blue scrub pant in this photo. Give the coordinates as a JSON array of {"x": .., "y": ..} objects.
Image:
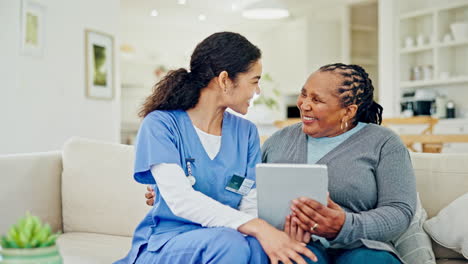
[
  {"x": 206, "y": 245},
  {"x": 360, "y": 255}
]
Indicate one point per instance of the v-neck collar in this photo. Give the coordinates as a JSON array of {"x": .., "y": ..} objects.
[
  {"x": 331, "y": 153},
  {"x": 343, "y": 144},
  {"x": 199, "y": 146}
]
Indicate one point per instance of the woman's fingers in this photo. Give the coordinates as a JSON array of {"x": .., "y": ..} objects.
[
  {"x": 287, "y": 225},
  {"x": 148, "y": 195},
  {"x": 306, "y": 237},
  {"x": 285, "y": 259},
  {"x": 299, "y": 231},
  {"x": 310, "y": 212},
  {"x": 306, "y": 252},
  {"x": 273, "y": 260},
  {"x": 304, "y": 221},
  {"x": 150, "y": 202},
  {"x": 316, "y": 206},
  {"x": 298, "y": 259},
  {"x": 295, "y": 253},
  {"x": 293, "y": 228},
  {"x": 332, "y": 204}
]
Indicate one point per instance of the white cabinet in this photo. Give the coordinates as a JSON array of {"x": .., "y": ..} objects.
[
  {"x": 430, "y": 55},
  {"x": 362, "y": 35}
]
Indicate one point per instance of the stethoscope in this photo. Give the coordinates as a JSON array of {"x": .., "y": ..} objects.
[{"x": 190, "y": 176}]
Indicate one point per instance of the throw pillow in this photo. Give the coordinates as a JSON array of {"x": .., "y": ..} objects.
[
  {"x": 414, "y": 245},
  {"x": 449, "y": 228}
]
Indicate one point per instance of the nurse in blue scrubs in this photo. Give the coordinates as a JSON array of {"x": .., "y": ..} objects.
[{"x": 202, "y": 160}]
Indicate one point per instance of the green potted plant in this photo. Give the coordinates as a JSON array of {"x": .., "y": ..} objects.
[
  {"x": 266, "y": 107},
  {"x": 269, "y": 94},
  {"x": 29, "y": 241}
]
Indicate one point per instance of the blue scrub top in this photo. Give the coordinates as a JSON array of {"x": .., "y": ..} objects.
[{"x": 170, "y": 137}]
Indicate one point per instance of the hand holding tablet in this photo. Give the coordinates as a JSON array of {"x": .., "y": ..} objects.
[{"x": 321, "y": 220}]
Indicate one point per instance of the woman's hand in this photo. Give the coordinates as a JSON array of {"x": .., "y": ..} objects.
[
  {"x": 320, "y": 220},
  {"x": 277, "y": 244},
  {"x": 149, "y": 195},
  {"x": 292, "y": 228}
]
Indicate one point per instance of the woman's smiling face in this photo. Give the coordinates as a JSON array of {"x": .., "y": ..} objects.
[{"x": 320, "y": 107}]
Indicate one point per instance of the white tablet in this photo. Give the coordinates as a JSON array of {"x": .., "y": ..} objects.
[{"x": 279, "y": 184}]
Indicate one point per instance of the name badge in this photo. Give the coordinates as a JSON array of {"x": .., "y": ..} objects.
[{"x": 239, "y": 185}]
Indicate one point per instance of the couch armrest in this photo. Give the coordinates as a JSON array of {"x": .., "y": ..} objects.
[{"x": 30, "y": 182}]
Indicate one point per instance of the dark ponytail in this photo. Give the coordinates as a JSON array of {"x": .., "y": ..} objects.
[
  {"x": 357, "y": 88},
  {"x": 180, "y": 89},
  {"x": 373, "y": 114}
]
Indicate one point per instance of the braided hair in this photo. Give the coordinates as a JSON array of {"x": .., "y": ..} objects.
[{"x": 356, "y": 88}]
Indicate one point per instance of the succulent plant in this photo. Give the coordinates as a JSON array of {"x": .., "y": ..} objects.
[{"x": 29, "y": 232}]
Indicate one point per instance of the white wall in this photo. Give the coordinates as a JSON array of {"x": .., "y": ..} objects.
[
  {"x": 42, "y": 100},
  {"x": 324, "y": 42},
  {"x": 285, "y": 58}
]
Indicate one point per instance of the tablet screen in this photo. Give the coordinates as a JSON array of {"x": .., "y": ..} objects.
[{"x": 279, "y": 184}]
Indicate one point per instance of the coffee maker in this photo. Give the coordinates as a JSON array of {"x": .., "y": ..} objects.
[{"x": 419, "y": 102}]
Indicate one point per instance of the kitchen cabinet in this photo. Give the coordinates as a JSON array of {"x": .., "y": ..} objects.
[{"x": 430, "y": 55}]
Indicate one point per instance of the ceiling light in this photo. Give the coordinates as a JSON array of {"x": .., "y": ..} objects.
[
  {"x": 154, "y": 12},
  {"x": 182, "y": 2},
  {"x": 266, "y": 9},
  {"x": 202, "y": 17},
  {"x": 234, "y": 7}
]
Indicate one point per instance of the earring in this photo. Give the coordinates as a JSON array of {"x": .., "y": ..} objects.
[{"x": 345, "y": 125}]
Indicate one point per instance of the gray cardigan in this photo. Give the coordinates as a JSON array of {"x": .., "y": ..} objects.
[{"x": 370, "y": 177}]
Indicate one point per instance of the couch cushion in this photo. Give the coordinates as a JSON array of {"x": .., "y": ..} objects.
[
  {"x": 89, "y": 248},
  {"x": 30, "y": 182},
  {"x": 99, "y": 194},
  {"x": 440, "y": 179},
  {"x": 445, "y": 253},
  {"x": 451, "y": 261}
]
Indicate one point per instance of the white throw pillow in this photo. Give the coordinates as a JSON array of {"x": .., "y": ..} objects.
[
  {"x": 450, "y": 227},
  {"x": 414, "y": 245}
]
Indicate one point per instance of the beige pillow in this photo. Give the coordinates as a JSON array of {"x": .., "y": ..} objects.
[{"x": 450, "y": 227}]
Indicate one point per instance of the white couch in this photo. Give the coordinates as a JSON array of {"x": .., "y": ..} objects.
[{"x": 88, "y": 192}]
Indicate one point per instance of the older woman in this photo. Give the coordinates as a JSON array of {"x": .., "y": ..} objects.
[
  {"x": 372, "y": 193},
  {"x": 371, "y": 182}
]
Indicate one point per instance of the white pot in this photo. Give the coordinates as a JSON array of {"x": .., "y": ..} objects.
[
  {"x": 47, "y": 255},
  {"x": 459, "y": 30}
]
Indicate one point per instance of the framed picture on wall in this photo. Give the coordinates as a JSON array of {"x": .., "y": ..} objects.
[
  {"x": 99, "y": 52},
  {"x": 32, "y": 28}
]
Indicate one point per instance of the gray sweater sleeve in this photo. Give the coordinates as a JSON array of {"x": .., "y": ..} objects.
[{"x": 396, "y": 200}]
